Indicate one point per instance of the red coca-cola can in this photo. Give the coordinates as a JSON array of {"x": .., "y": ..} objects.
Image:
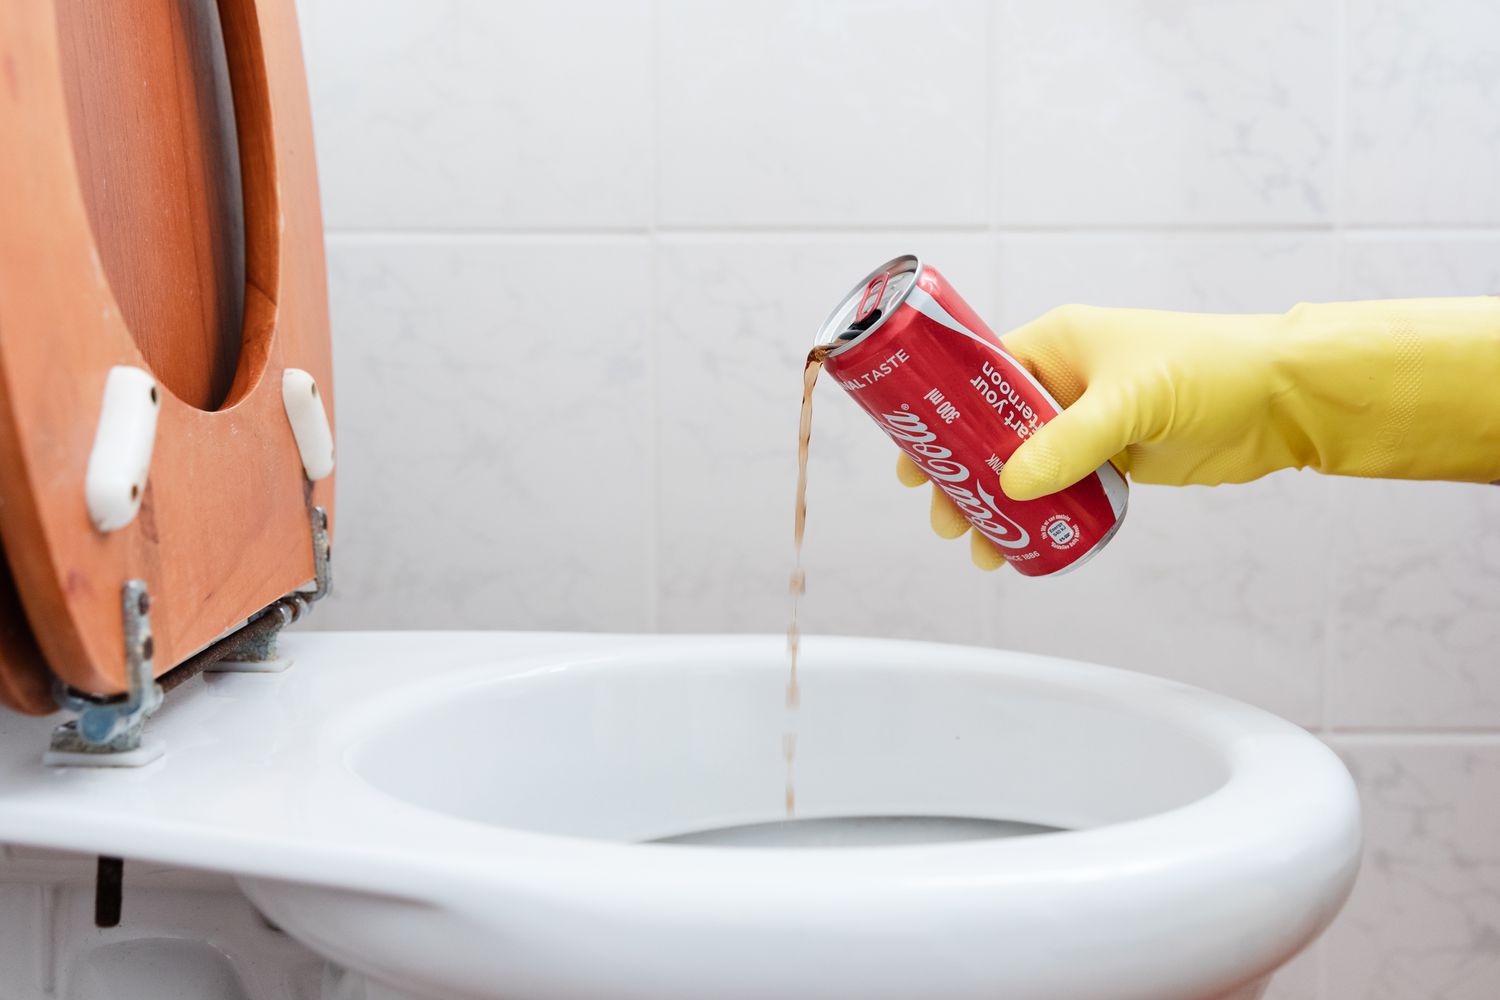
[{"x": 939, "y": 383}]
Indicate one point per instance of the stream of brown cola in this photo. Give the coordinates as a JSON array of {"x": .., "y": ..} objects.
[{"x": 798, "y": 584}]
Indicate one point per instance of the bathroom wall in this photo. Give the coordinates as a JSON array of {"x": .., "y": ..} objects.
[{"x": 577, "y": 251}]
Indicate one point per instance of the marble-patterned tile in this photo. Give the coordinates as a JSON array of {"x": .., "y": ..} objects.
[
  {"x": 1230, "y": 272},
  {"x": 1423, "y": 86},
  {"x": 1299, "y": 979},
  {"x": 1413, "y": 265},
  {"x": 736, "y": 320},
  {"x": 1416, "y": 622},
  {"x": 1222, "y": 587},
  {"x": 497, "y": 115},
  {"x": 1424, "y": 919},
  {"x": 493, "y": 406},
  {"x": 1161, "y": 112},
  {"x": 850, "y": 112}
]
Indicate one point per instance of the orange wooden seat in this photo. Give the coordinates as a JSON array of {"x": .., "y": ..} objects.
[{"x": 158, "y": 209}]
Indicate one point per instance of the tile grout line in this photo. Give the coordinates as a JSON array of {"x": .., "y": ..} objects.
[
  {"x": 1341, "y": 120},
  {"x": 653, "y": 334},
  {"x": 991, "y": 598},
  {"x": 1457, "y": 736},
  {"x": 1331, "y": 578},
  {"x": 483, "y": 236},
  {"x": 991, "y": 122},
  {"x": 1331, "y": 575},
  {"x": 1342, "y": 230}
]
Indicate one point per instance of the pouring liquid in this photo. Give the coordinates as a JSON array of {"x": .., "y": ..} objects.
[{"x": 797, "y": 586}]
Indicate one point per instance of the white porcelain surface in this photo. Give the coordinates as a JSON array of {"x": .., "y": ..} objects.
[
  {"x": 1423, "y": 83},
  {"x": 838, "y": 113},
  {"x": 458, "y": 813},
  {"x": 1152, "y": 113}
]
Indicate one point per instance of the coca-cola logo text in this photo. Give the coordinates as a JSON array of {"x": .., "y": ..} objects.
[{"x": 952, "y": 476}]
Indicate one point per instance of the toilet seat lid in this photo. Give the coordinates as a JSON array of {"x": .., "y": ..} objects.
[{"x": 221, "y": 521}]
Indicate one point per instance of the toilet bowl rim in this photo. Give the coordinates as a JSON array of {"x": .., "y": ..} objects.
[
  {"x": 349, "y": 833},
  {"x": 1274, "y": 768},
  {"x": 506, "y": 888}
]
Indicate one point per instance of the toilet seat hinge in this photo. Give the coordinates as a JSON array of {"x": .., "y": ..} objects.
[
  {"x": 109, "y": 732},
  {"x": 322, "y": 555},
  {"x": 252, "y": 647}
]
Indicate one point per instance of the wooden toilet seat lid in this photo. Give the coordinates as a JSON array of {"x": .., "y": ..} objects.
[{"x": 222, "y": 529}]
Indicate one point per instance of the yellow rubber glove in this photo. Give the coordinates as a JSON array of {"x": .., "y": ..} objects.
[{"x": 1402, "y": 389}]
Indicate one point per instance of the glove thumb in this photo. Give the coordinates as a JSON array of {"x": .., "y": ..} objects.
[{"x": 1069, "y": 446}]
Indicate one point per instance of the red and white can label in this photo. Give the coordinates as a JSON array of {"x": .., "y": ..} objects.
[{"x": 939, "y": 383}]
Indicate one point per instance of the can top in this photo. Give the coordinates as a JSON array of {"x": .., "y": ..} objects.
[{"x": 869, "y": 304}]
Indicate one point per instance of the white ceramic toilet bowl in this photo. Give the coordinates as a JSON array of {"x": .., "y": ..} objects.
[{"x": 466, "y": 815}]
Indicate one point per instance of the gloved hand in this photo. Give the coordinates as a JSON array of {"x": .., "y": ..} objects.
[{"x": 1403, "y": 389}]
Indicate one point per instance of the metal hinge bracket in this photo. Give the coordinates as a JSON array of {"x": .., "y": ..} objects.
[{"x": 110, "y": 732}]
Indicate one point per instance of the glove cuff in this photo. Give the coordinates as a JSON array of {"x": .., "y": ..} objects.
[{"x": 1404, "y": 389}]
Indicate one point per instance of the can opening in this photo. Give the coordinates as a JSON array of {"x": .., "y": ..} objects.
[
  {"x": 860, "y": 326},
  {"x": 869, "y": 305}
]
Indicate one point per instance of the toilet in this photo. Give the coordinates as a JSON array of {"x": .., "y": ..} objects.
[{"x": 529, "y": 816}]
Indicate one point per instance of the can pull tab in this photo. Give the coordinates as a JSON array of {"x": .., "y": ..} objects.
[{"x": 869, "y": 303}]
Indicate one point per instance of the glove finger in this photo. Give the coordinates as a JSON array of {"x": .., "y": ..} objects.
[
  {"x": 908, "y": 471},
  {"x": 946, "y": 519},
  {"x": 983, "y": 554},
  {"x": 1070, "y": 446}
]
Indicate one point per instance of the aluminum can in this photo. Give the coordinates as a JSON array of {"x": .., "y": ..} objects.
[{"x": 940, "y": 384}]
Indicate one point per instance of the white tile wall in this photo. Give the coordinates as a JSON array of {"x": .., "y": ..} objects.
[
  {"x": 1299, "y": 979},
  {"x": 1151, "y": 113},
  {"x": 1423, "y": 139},
  {"x": 1425, "y": 916},
  {"x": 456, "y": 114},
  {"x": 495, "y": 434},
  {"x": 1414, "y": 264},
  {"x": 1416, "y": 633},
  {"x": 788, "y": 113},
  {"x": 577, "y": 250}
]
